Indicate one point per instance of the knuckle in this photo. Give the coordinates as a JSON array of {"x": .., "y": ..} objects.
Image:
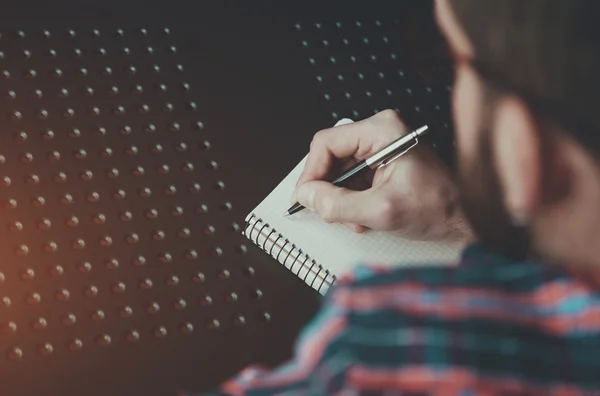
[
  {"x": 318, "y": 139},
  {"x": 390, "y": 116}
]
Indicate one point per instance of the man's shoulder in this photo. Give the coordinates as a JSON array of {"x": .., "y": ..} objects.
[{"x": 533, "y": 296}]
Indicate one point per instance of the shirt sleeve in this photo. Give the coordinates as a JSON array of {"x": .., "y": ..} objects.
[{"x": 314, "y": 365}]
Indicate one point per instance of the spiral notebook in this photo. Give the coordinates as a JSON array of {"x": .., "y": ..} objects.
[{"x": 320, "y": 252}]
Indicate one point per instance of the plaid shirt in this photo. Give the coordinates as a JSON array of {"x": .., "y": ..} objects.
[{"x": 486, "y": 327}]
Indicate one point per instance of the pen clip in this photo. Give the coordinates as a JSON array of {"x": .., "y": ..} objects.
[{"x": 387, "y": 161}]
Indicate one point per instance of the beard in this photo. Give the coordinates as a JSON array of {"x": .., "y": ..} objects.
[{"x": 482, "y": 204}]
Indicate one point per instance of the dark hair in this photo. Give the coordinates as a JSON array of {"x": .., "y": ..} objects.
[{"x": 545, "y": 51}]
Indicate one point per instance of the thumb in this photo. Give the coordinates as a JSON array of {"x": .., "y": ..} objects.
[{"x": 338, "y": 204}]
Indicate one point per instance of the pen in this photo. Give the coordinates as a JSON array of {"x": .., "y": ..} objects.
[{"x": 378, "y": 160}]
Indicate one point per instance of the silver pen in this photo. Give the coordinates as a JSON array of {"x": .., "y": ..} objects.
[{"x": 383, "y": 157}]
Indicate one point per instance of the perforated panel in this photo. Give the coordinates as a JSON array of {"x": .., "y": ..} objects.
[
  {"x": 130, "y": 155},
  {"x": 362, "y": 67},
  {"x": 117, "y": 227}
]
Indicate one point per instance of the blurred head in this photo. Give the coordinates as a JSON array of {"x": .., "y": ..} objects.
[{"x": 526, "y": 89}]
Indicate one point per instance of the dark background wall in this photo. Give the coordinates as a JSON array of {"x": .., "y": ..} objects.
[{"x": 130, "y": 155}]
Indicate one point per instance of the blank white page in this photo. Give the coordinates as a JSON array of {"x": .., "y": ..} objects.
[{"x": 337, "y": 248}]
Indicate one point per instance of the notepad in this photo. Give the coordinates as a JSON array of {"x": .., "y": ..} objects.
[{"x": 320, "y": 252}]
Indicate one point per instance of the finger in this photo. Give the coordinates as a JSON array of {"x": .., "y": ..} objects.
[
  {"x": 361, "y": 182},
  {"x": 357, "y": 139},
  {"x": 360, "y": 228},
  {"x": 326, "y": 148},
  {"x": 338, "y": 204},
  {"x": 355, "y": 227},
  {"x": 349, "y": 226}
]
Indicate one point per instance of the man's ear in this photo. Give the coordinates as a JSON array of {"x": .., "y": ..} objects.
[{"x": 517, "y": 156}]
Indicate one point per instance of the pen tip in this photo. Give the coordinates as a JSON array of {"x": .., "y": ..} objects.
[
  {"x": 286, "y": 213},
  {"x": 421, "y": 131}
]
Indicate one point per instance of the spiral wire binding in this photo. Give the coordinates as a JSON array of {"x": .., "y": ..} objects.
[{"x": 316, "y": 276}]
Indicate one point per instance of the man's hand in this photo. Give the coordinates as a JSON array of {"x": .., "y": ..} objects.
[{"x": 414, "y": 195}]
